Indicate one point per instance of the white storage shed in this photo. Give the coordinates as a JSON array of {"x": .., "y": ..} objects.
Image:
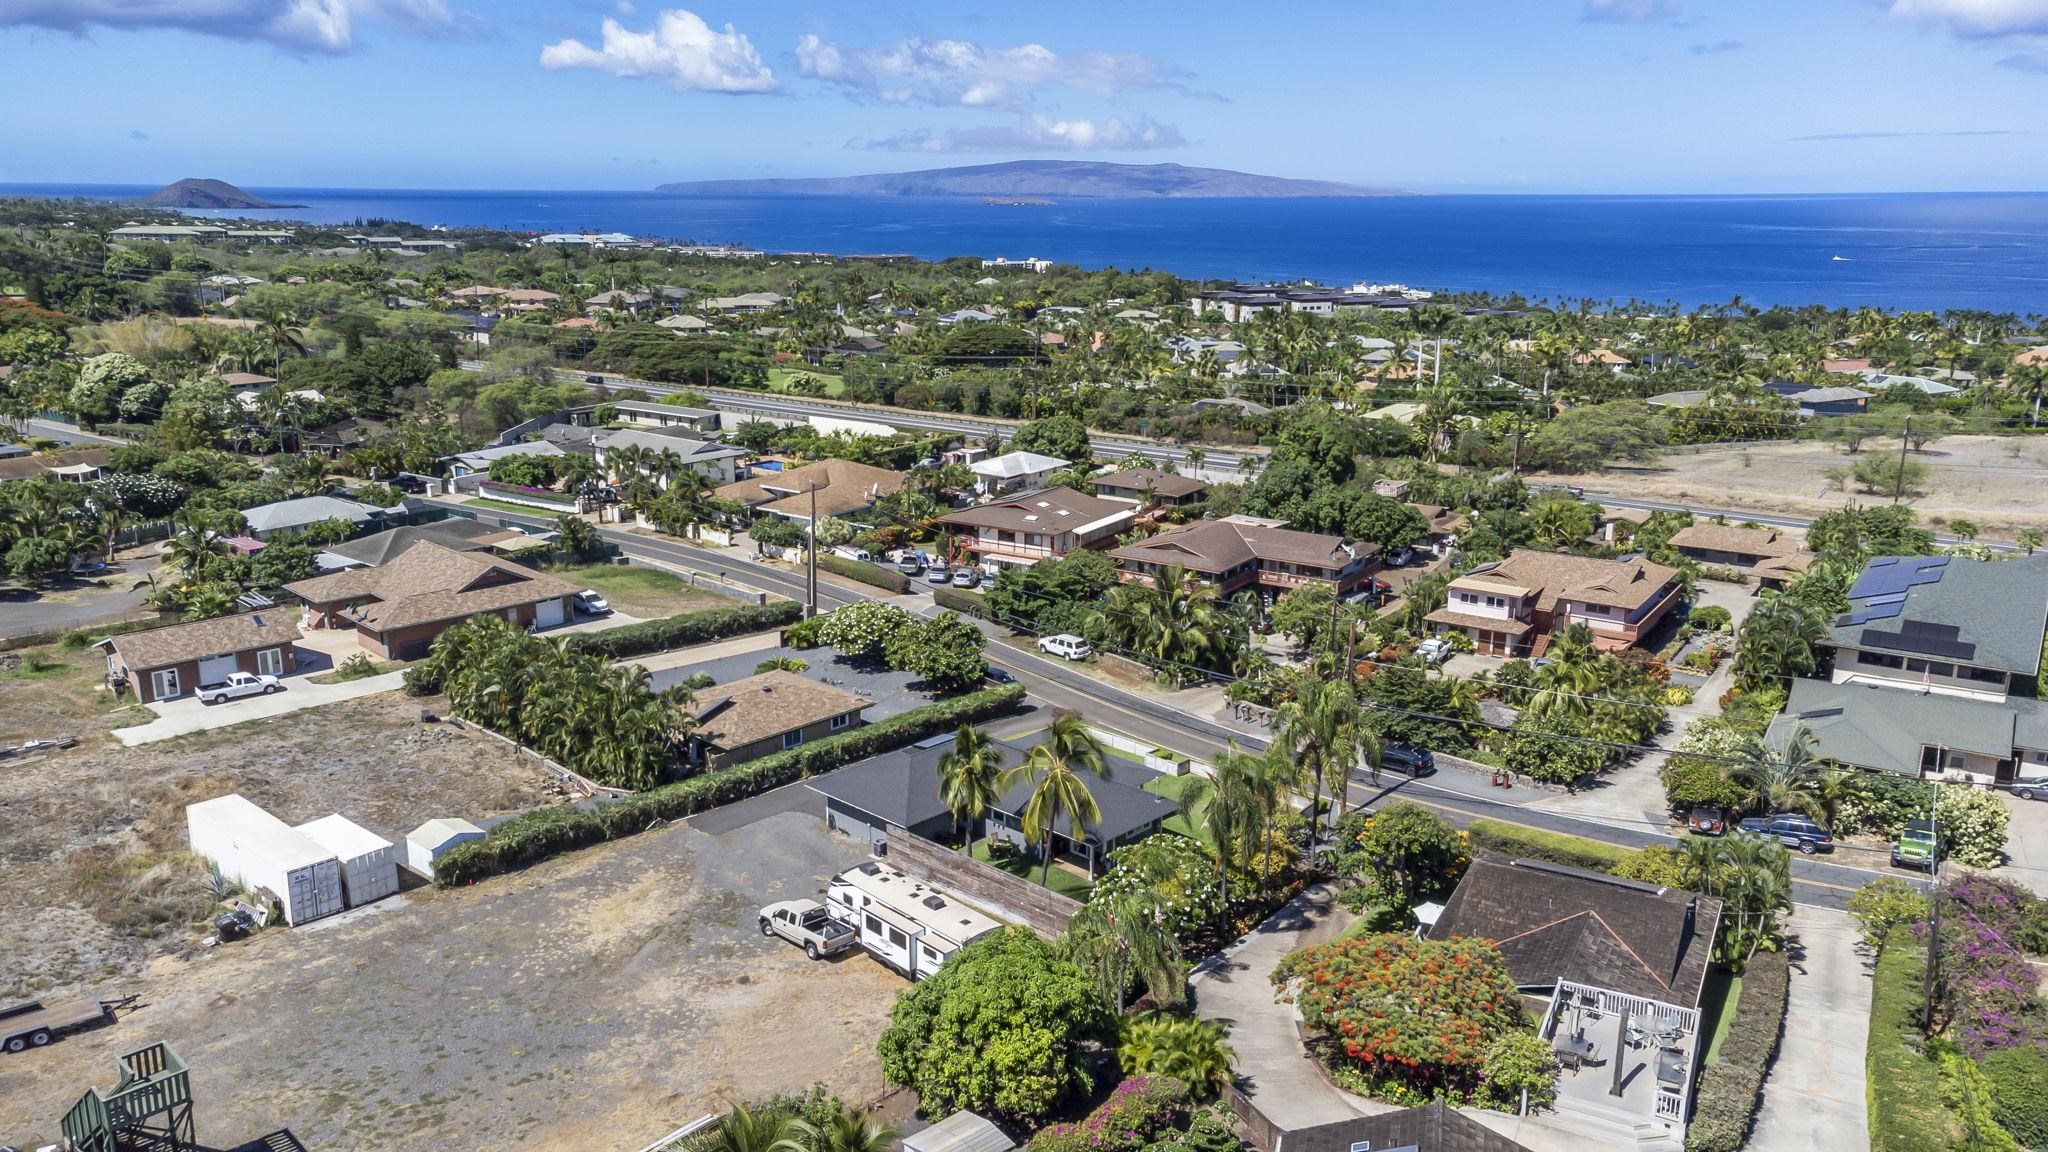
[
  {"x": 260, "y": 851},
  {"x": 424, "y": 844},
  {"x": 369, "y": 862}
]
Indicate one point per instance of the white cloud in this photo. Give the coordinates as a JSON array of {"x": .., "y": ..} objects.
[
  {"x": 328, "y": 26},
  {"x": 957, "y": 73},
  {"x": 1979, "y": 19},
  {"x": 1630, "y": 12},
  {"x": 1035, "y": 134},
  {"x": 681, "y": 50},
  {"x": 1717, "y": 48}
]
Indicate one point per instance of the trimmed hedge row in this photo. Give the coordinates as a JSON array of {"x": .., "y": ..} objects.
[
  {"x": 2019, "y": 1092},
  {"x": 964, "y": 603},
  {"x": 1725, "y": 1104},
  {"x": 686, "y": 629},
  {"x": 1904, "y": 1090},
  {"x": 534, "y": 836},
  {"x": 871, "y": 574},
  {"x": 1556, "y": 847}
]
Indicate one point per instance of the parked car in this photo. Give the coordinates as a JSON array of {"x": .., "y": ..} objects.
[
  {"x": 938, "y": 573},
  {"x": 1400, "y": 557},
  {"x": 593, "y": 379},
  {"x": 995, "y": 675},
  {"x": 238, "y": 685},
  {"x": 2030, "y": 787},
  {"x": 806, "y": 924},
  {"x": 848, "y": 552},
  {"x": 1435, "y": 650},
  {"x": 1706, "y": 821},
  {"x": 406, "y": 482},
  {"x": 966, "y": 577},
  {"x": 1918, "y": 847},
  {"x": 910, "y": 566},
  {"x": 1066, "y": 645},
  {"x": 1407, "y": 760},
  {"x": 1791, "y": 830},
  {"x": 590, "y": 602}
]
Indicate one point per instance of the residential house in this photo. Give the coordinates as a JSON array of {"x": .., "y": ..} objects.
[
  {"x": 398, "y": 608},
  {"x": 1732, "y": 544},
  {"x": 743, "y": 304},
  {"x": 1432, "y": 1127},
  {"x": 1880, "y": 381},
  {"x": 1835, "y": 401},
  {"x": 1019, "y": 531},
  {"x": 1512, "y": 607},
  {"x": 682, "y": 324},
  {"x": 82, "y": 466},
  {"x": 1444, "y": 526},
  {"x": 1033, "y": 263},
  {"x": 843, "y": 488},
  {"x": 527, "y": 299},
  {"x": 750, "y": 718},
  {"x": 341, "y": 435},
  {"x": 617, "y": 300},
  {"x": 1933, "y": 671},
  {"x": 1149, "y": 487},
  {"x": 1231, "y": 405},
  {"x": 966, "y": 316},
  {"x": 1623, "y": 965},
  {"x": 1773, "y": 573},
  {"x": 478, "y": 463},
  {"x": 644, "y": 413},
  {"x": 1606, "y": 358},
  {"x": 172, "y": 661},
  {"x": 1846, "y": 366},
  {"x": 715, "y": 461},
  {"x": 267, "y": 521},
  {"x": 1015, "y": 470},
  {"x": 1237, "y": 554},
  {"x": 455, "y": 533}
]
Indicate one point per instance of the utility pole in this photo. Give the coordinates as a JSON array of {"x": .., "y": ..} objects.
[
  {"x": 811, "y": 554},
  {"x": 1899, "y": 481},
  {"x": 1928, "y": 978}
]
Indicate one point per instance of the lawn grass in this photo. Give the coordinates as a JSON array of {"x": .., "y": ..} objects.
[
  {"x": 516, "y": 509},
  {"x": 1061, "y": 881},
  {"x": 1717, "y": 1009},
  {"x": 779, "y": 378},
  {"x": 1904, "y": 1091},
  {"x": 642, "y": 592},
  {"x": 1172, "y": 788}
]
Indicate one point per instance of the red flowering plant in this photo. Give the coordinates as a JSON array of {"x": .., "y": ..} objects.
[{"x": 1406, "y": 1018}]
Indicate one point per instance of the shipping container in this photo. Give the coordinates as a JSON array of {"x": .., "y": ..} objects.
[
  {"x": 369, "y": 863},
  {"x": 261, "y": 852}
]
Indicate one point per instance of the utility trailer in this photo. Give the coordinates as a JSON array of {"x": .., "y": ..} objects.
[{"x": 34, "y": 1024}]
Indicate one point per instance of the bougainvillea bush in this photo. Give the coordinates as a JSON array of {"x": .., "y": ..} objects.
[
  {"x": 1992, "y": 994},
  {"x": 1137, "y": 1111},
  {"x": 1406, "y": 1019}
]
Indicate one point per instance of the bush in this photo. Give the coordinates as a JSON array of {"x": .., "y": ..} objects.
[
  {"x": 1903, "y": 1086},
  {"x": 1726, "y": 1101},
  {"x": 1138, "y": 1110},
  {"x": 685, "y": 630},
  {"x": 871, "y": 574},
  {"x": 2019, "y": 1093},
  {"x": 1711, "y": 617},
  {"x": 535, "y": 836},
  {"x": 1884, "y": 904},
  {"x": 804, "y": 634},
  {"x": 1972, "y": 823},
  {"x": 965, "y": 603},
  {"x": 1884, "y": 804},
  {"x": 864, "y": 630},
  {"x": 1556, "y": 847}
]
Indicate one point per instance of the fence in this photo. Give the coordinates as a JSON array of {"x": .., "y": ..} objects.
[
  {"x": 571, "y": 780},
  {"x": 1172, "y": 763},
  {"x": 1011, "y": 897},
  {"x": 1263, "y": 1132}
]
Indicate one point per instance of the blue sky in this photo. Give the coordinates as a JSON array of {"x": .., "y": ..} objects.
[{"x": 1666, "y": 96}]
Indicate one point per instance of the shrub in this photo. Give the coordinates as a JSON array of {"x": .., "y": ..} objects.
[
  {"x": 1711, "y": 617},
  {"x": 864, "y": 630},
  {"x": 685, "y": 630},
  {"x": 965, "y": 603},
  {"x": 866, "y": 573},
  {"x": 1173, "y": 878},
  {"x": 1967, "y": 1092},
  {"x": 1401, "y": 854},
  {"x": 1726, "y": 1101},
  {"x": 1556, "y": 847},
  {"x": 1657, "y": 864},
  {"x": 1884, "y": 904},
  {"x": 804, "y": 634},
  {"x": 1972, "y": 823},
  {"x": 1138, "y": 1110},
  {"x": 1515, "y": 1062},
  {"x": 1903, "y": 1085},
  {"x": 537, "y": 835},
  {"x": 1884, "y": 804},
  {"x": 2018, "y": 1078}
]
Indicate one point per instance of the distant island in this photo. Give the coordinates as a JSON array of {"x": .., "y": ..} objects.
[
  {"x": 1037, "y": 179},
  {"x": 190, "y": 193}
]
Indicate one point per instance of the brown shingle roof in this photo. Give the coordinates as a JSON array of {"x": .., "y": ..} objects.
[
  {"x": 1553, "y": 923},
  {"x": 1048, "y": 510},
  {"x": 177, "y": 643},
  {"x": 1782, "y": 566},
  {"x": 1167, "y": 484},
  {"x": 1220, "y": 545},
  {"x": 429, "y": 582},
  {"x": 1734, "y": 538},
  {"x": 844, "y": 487},
  {"x": 1554, "y": 576},
  {"x": 765, "y": 706},
  {"x": 27, "y": 467}
]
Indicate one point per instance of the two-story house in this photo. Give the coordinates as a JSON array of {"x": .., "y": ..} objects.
[
  {"x": 841, "y": 488},
  {"x": 1019, "y": 531},
  {"x": 1239, "y": 553},
  {"x": 1934, "y": 669},
  {"x": 1150, "y": 488},
  {"x": 1511, "y": 607},
  {"x": 1014, "y": 472}
]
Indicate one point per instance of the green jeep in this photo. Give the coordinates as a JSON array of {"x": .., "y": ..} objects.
[{"x": 1918, "y": 847}]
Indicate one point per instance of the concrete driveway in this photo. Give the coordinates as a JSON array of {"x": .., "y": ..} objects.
[
  {"x": 178, "y": 717},
  {"x": 1815, "y": 1095},
  {"x": 2026, "y": 842}
]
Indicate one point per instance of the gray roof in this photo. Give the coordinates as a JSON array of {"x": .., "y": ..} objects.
[
  {"x": 482, "y": 457},
  {"x": 1998, "y": 610},
  {"x": 1884, "y": 728},
  {"x": 659, "y": 439},
  {"x": 383, "y": 547},
  {"x": 1828, "y": 395},
  {"x": 306, "y": 510},
  {"x": 963, "y": 1131}
]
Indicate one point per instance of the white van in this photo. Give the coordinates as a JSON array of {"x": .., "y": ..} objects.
[{"x": 860, "y": 554}]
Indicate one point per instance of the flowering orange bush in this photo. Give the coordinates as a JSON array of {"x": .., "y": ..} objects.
[{"x": 1420, "y": 1013}]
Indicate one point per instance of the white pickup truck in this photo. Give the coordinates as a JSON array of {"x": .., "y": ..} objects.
[{"x": 238, "y": 685}]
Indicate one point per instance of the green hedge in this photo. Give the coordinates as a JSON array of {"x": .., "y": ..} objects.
[
  {"x": 1726, "y": 1101},
  {"x": 535, "y": 836},
  {"x": 1556, "y": 847},
  {"x": 686, "y": 629},
  {"x": 873, "y": 574},
  {"x": 964, "y": 603},
  {"x": 2019, "y": 1092},
  {"x": 1903, "y": 1086}
]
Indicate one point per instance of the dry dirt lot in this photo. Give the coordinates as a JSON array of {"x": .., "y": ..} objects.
[
  {"x": 1992, "y": 480},
  {"x": 94, "y": 879},
  {"x": 593, "y": 1002}
]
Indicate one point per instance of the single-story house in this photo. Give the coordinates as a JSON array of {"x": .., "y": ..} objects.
[
  {"x": 399, "y": 608},
  {"x": 1883, "y": 729},
  {"x": 1432, "y": 1127},
  {"x": 271, "y": 520},
  {"x": 650, "y": 414},
  {"x": 479, "y": 462},
  {"x": 1444, "y": 526},
  {"x": 1732, "y": 544},
  {"x": 455, "y": 533},
  {"x": 1836, "y": 401},
  {"x": 843, "y": 487},
  {"x": 79, "y": 467},
  {"x": 1230, "y": 404},
  {"x": 1880, "y": 381},
  {"x": 172, "y": 661},
  {"x": 1014, "y": 470},
  {"x": 1019, "y": 531},
  {"x": 682, "y": 323},
  {"x": 1774, "y": 572},
  {"x": 743, "y": 303},
  {"x": 1165, "y": 488},
  {"x": 748, "y": 719}
]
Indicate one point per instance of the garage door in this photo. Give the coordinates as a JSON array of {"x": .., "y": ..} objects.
[
  {"x": 215, "y": 669},
  {"x": 548, "y": 613}
]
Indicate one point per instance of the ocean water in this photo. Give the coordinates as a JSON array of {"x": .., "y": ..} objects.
[{"x": 1919, "y": 251}]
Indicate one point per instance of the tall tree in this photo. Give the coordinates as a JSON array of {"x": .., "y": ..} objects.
[
  {"x": 1055, "y": 769},
  {"x": 970, "y": 775}
]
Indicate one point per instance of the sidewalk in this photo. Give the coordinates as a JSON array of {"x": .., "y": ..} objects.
[
  {"x": 705, "y": 653},
  {"x": 1815, "y": 1095}
]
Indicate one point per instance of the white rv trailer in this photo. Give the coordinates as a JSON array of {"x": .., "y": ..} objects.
[{"x": 904, "y": 922}]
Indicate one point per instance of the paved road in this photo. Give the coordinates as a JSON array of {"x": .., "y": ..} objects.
[
  {"x": 1738, "y": 515},
  {"x": 55, "y": 431}
]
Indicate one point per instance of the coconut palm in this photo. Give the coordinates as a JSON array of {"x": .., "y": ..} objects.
[
  {"x": 1783, "y": 778},
  {"x": 849, "y": 1131},
  {"x": 1054, "y": 771},
  {"x": 1270, "y": 778},
  {"x": 280, "y": 333},
  {"x": 969, "y": 777},
  {"x": 745, "y": 1130},
  {"x": 1223, "y": 810},
  {"x": 1323, "y": 727},
  {"x": 1779, "y": 640},
  {"x": 1122, "y": 943}
]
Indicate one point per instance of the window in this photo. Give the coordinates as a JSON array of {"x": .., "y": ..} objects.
[
  {"x": 874, "y": 925},
  {"x": 1930, "y": 667},
  {"x": 164, "y": 684},
  {"x": 1879, "y": 660},
  {"x": 792, "y": 739},
  {"x": 270, "y": 662},
  {"x": 897, "y": 938},
  {"x": 839, "y": 722}
]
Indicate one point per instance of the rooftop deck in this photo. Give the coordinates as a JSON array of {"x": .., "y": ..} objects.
[{"x": 1623, "y": 1057}]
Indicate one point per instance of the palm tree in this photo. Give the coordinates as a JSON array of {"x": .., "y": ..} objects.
[
  {"x": 745, "y": 1130},
  {"x": 1270, "y": 778},
  {"x": 279, "y": 334},
  {"x": 1121, "y": 942},
  {"x": 1173, "y": 624},
  {"x": 849, "y": 1131},
  {"x": 1778, "y": 641},
  {"x": 969, "y": 774},
  {"x": 1189, "y": 1050},
  {"x": 1223, "y": 809},
  {"x": 1783, "y": 778},
  {"x": 1324, "y": 728},
  {"x": 1054, "y": 770}
]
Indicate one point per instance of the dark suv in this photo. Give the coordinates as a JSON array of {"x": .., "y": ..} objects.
[
  {"x": 1791, "y": 830},
  {"x": 1406, "y": 760}
]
